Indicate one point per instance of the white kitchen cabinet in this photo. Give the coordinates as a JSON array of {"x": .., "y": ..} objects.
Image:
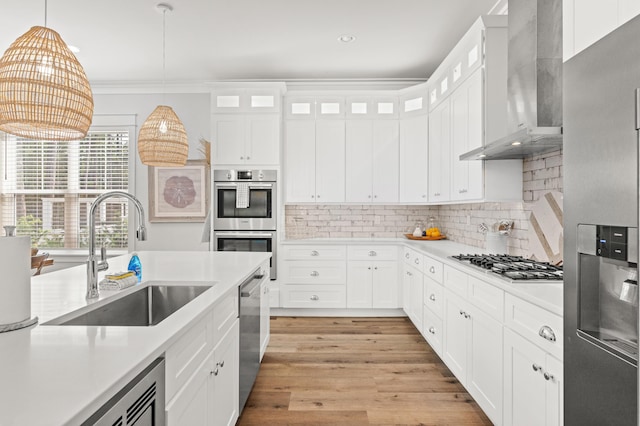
[
  {"x": 239, "y": 100},
  {"x": 414, "y": 169},
  {"x": 372, "y": 154},
  {"x": 246, "y": 139},
  {"x": 585, "y": 22},
  {"x": 472, "y": 342},
  {"x": 191, "y": 404},
  {"x": 314, "y": 161},
  {"x": 372, "y": 284},
  {"x": 264, "y": 316},
  {"x": 314, "y": 276},
  {"x": 439, "y": 153},
  {"x": 412, "y": 282},
  {"x": 466, "y": 135},
  {"x": 371, "y": 107},
  {"x": 223, "y": 386},
  {"x": 533, "y": 382}
]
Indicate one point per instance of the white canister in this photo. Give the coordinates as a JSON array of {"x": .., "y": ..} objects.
[
  {"x": 15, "y": 286},
  {"x": 496, "y": 243}
]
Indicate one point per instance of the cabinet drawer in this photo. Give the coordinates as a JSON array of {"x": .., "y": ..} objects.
[
  {"x": 433, "y": 269},
  {"x": 413, "y": 258},
  {"x": 225, "y": 312},
  {"x": 486, "y": 297},
  {"x": 432, "y": 330},
  {"x": 530, "y": 321},
  {"x": 313, "y": 272},
  {"x": 321, "y": 296},
  {"x": 313, "y": 252},
  {"x": 185, "y": 356},
  {"x": 372, "y": 253},
  {"x": 433, "y": 296},
  {"x": 456, "y": 281}
]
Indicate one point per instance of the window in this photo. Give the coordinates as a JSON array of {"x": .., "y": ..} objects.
[{"x": 48, "y": 187}]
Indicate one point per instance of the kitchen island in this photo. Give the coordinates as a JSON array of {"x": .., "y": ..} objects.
[{"x": 57, "y": 375}]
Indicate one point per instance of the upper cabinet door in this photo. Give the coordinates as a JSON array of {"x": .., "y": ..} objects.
[
  {"x": 385, "y": 167},
  {"x": 244, "y": 100},
  {"x": 330, "y": 161},
  {"x": 300, "y": 158},
  {"x": 262, "y": 139},
  {"x": 330, "y": 108},
  {"x": 228, "y": 139},
  {"x": 413, "y": 173},
  {"x": 439, "y": 152},
  {"x": 300, "y": 108},
  {"x": 359, "y": 161}
]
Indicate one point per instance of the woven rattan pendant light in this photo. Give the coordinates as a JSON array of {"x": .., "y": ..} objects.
[
  {"x": 44, "y": 91},
  {"x": 163, "y": 140}
]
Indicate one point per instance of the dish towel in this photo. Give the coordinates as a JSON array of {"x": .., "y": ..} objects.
[
  {"x": 118, "y": 281},
  {"x": 242, "y": 196}
]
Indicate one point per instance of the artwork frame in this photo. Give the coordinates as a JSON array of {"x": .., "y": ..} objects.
[{"x": 179, "y": 194}]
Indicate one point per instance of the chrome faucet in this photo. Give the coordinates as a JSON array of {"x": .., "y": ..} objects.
[{"x": 93, "y": 264}]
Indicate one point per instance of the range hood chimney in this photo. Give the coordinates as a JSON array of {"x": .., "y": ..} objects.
[{"x": 534, "y": 83}]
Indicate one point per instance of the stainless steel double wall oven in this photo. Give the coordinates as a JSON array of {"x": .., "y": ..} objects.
[{"x": 245, "y": 212}]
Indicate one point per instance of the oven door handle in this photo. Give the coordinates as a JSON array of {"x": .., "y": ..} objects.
[
  {"x": 250, "y": 185},
  {"x": 243, "y": 234}
]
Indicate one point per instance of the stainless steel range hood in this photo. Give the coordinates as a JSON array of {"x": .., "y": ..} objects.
[{"x": 534, "y": 83}]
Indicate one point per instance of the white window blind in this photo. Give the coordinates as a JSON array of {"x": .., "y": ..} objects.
[{"x": 48, "y": 187}]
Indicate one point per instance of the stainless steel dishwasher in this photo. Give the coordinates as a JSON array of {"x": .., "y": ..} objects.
[{"x": 249, "y": 333}]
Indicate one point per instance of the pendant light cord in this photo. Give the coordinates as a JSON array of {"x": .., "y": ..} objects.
[
  {"x": 45, "y": 13},
  {"x": 164, "y": 30}
]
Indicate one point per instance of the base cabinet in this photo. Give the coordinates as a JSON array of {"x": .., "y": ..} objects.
[
  {"x": 264, "y": 316},
  {"x": 532, "y": 384},
  {"x": 210, "y": 396},
  {"x": 372, "y": 284}
]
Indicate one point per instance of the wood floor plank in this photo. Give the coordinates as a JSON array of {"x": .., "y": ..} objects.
[{"x": 355, "y": 371}]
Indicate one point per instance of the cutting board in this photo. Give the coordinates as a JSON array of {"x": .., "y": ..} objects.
[{"x": 546, "y": 228}]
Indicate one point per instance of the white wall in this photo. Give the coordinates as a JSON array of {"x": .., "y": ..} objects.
[{"x": 194, "y": 111}]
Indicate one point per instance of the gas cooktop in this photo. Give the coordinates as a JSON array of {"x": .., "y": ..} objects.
[{"x": 513, "y": 267}]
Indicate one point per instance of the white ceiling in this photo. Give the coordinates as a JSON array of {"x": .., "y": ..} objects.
[{"x": 121, "y": 40}]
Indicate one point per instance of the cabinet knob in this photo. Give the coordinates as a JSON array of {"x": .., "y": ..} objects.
[
  {"x": 375, "y": 267},
  {"x": 369, "y": 268},
  {"x": 317, "y": 196},
  {"x": 313, "y": 196},
  {"x": 368, "y": 196},
  {"x": 242, "y": 158},
  {"x": 461, "y": 312},
  {"x": 432, "y": 270},
  {"x": 547, "y": 333},
  {"x": 315, "y": 273},
  {"x": 406, "y": 255},
  {"x": 432, "y": 330},
  {"x": 373, "y": 253},
  {"x": 314, "y": 253},
  {"x": 248, "y": 158},
  {"x": 432, "y": 297},
  {"x": 315, "y": 297},
  {"x": 416, "y": 261},
  {"x": 436, "y": 194},
  {"x": 536, "y": 368},
  {"x": 409, "y": 273},
  {"x": 424, "y": 195},
  {"x": 375, "y": 196}
]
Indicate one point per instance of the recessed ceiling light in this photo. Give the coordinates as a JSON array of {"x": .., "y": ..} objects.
[
  {"x": 516, "y": 143},
  {"x": 74, "y": 49},
  {"x": 346, "y": 38}
]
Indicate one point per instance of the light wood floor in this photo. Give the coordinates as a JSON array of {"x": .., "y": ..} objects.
[{"x": 355, "y": 371}]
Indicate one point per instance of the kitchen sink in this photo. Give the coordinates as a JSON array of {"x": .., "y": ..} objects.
[{"x": 145, "y": 307}]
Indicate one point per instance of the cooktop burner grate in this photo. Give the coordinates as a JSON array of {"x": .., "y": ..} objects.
[{"x": 513, "y": 267}]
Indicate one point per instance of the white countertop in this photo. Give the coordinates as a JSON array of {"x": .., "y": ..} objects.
[
  {"x": 56, "y": 375},
  {"x": 547, "y": 295}
]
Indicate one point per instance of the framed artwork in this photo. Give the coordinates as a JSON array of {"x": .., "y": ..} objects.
[{"x": 179, "y": 194}]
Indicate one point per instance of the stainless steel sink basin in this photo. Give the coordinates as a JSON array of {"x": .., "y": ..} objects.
[{"x": 144, "y": 307}]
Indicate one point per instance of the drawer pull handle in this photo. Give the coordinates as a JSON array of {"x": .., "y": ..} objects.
[
  {"x": 222, "y": 363},
  {"x": 432, "y": 270},
  {"x": 548, "y": 376},
  {"x": 547, "y": 333},
  {"x": 536, "y": 368},
  {"x": 214, "y": 372},
  {"x": 315, "y": 253},
  {"x": 409, "y": 273},
  {"x": 369, "y": 268},
  {"x": 373, "y": 253},
  {"x": 314, "y": 297},
  {"x": 417, "y": 261},
  {"x": 406, "y": 255},
  {"x": 432, "y": 330},
  {"x": 462, "y": 312},
  {"x": 432, "y": 297},
  {"x": 315, "y": 273}
]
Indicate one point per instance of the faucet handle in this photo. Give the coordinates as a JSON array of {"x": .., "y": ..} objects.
[{"x": 103, "y": 253}]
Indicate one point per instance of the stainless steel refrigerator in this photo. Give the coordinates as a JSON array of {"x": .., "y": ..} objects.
[{"x": 601, "y": 120}]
